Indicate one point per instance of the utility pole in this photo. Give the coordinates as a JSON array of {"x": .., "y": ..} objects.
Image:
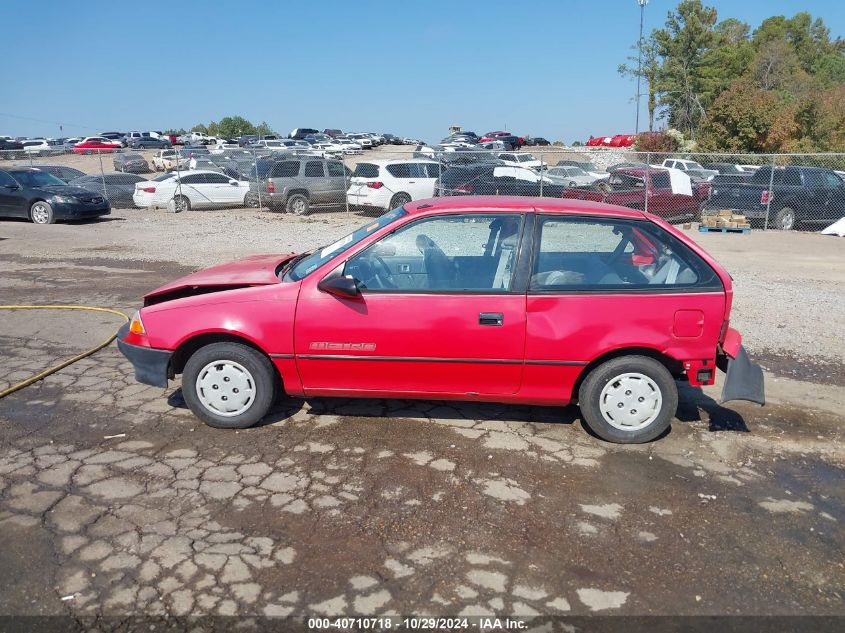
[{"x": 642, "y": 4}]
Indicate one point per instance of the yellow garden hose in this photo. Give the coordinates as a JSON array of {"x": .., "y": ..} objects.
[{"x": 69, "y": 361}]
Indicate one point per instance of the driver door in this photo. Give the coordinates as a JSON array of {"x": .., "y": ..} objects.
[{"x": 436, "y": 314}]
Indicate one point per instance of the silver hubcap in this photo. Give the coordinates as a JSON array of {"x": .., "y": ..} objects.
[
  {"x": 298, "y": 206},
  {"x": 787, "y": 221},
  {"x": 630, "y": 402},
  {"x": 40, "y": 214},
  {"x": 226, "y": 388},
  {"x": 181, "y": 205}
]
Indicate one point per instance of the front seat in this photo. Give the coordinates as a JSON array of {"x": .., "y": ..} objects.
[{"x": 438, "y": 268}]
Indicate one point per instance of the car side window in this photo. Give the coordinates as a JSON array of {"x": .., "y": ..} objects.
[
  {"x": 833, "y": 181},
  {"x": 578, "y": 254},
  {"x": 314, "y": 169},
  {"x": 661, "y": 180},
  {"x": 217, "y": 179},
  {"x": 6, "y": 180},
  {"x": 335, "y": 169},
  {"x": 285, "y": 169},
  {"x": 454, "y": 253},
  {"x": 434, "y": 170},
  {"x": 193, "y": 179},
  {"x": 400, "y": 170}
]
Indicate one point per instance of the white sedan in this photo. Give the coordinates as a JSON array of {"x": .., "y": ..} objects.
[
  {"x": 196, "y": 189},
  {"x": 522, "y": 159}
]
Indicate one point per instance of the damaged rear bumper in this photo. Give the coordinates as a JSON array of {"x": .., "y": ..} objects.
[{"x": 743, "y": 378}]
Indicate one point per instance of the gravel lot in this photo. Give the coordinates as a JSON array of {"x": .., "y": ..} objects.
[{"x": 115, "y": 500}]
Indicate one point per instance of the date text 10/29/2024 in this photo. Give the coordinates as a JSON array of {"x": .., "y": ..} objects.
[{"x": 386, "y": 623}]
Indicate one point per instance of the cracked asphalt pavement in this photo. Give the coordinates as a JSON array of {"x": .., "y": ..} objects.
[{"x": 115, "y": 500}]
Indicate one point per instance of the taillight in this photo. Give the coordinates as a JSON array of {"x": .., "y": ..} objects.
[
  {"x": 375, "y": 185},
  {"x": 465, "y": 188},
  {"x": 765, "y": 196},
  {"x": 271, "y": 187},
  {"x": 149, "y": 189}
]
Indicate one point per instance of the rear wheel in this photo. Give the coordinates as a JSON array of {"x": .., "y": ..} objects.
[
  {"x": 298, "y": 205},
  {"x": 784, "y": 219},
  {"x": 628, "y": 400},
  {"x": 229, "y": 385},
  {"x": 181, "y": 204},
  {"x": 399, "y": 200}
]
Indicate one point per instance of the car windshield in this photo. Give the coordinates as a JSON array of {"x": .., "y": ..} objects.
[
  {"x": 524, "y": 158},
  {"x": 588, "y": 166},
  {"x": 312, "y": 262},
  {"x": 35, "y": 178},
  {"x": 164, "y": 177}
]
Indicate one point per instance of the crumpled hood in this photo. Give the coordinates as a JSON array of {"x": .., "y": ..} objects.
[{"x": 258, "y": 270}]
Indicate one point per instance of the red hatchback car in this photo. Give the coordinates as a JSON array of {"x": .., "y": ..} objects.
[{"x": 515, "y": 300}]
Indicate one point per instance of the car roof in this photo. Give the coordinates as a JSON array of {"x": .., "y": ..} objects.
[
  {"x": 382, "y": 162},
  {"x": 521, "y": 204}
]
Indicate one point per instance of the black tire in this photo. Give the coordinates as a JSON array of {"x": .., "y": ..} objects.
[
  {"x": 182, "y": 203},
  {"x": 606, "y": 375},
  {"x": 264, "y": 382},
  {"x": 298, "y": 204},
  {"x": 785, "y": 219},
  {"x": 399, "y": 200},
  {"x": 42, "y": 213}
]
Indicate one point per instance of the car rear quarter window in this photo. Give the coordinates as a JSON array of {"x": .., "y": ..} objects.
[
  {"x": 613, "y": 255},
  {"x": 314, "y": 169},
  {"x": 366, "y": 170}
]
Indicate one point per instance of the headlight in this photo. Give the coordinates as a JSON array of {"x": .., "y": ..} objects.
[
  {"x": 65, "y": 199},
  {"x": 136, "y": 326}
]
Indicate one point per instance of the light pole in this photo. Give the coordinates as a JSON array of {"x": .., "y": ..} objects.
[{"x": 642, "y": 4}]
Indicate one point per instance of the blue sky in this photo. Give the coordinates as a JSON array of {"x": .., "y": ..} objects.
[{"x": 545, "y": 67}]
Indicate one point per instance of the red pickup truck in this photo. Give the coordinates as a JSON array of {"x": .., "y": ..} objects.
[
  {"x": 481, "y": 298},
  {"x": 629, "y": 187}
]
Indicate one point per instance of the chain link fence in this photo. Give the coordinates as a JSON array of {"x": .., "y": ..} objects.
[{"x": 720, "y": 191}]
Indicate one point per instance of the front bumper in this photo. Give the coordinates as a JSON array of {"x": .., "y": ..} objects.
[
  {"x": 67, "y": 211},
  {"x": 151, "y": 365}
]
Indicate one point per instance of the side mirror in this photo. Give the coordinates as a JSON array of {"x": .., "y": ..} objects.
[
  {"x": 233, "y": 182},
  {"x": 345, "y": 286}
]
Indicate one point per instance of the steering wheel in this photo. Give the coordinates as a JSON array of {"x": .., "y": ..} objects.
[{"x": 383, "y": 274}]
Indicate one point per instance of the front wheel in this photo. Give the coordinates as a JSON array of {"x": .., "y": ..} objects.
[
  {"x": 229, "y": 385},
  {"x": 628, "y": 400},
  {"x": 42, "y": 213}
]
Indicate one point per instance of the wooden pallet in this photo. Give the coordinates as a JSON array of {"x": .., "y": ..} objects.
[{"x": 722, "y": 229}]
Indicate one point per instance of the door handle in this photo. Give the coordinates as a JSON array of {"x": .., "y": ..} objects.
[{"x": 490, "y": 318}]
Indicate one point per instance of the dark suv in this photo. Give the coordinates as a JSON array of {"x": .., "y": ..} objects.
[{"x": 296, "y": 185}]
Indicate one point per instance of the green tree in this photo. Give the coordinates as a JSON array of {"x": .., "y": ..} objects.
[
  {"x": 682, "y": 44},
  {"x": 234, "y": 126},
  {"x": 649, "y": 66},
  {"x": 741, "y": 119}
]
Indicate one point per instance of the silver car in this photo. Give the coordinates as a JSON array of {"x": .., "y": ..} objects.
[
  {"x": 570, "y": 176},
  {"x": 298, "y": 184}
]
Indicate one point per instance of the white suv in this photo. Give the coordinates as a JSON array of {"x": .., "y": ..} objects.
[{"x": 388, "y": 184}]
